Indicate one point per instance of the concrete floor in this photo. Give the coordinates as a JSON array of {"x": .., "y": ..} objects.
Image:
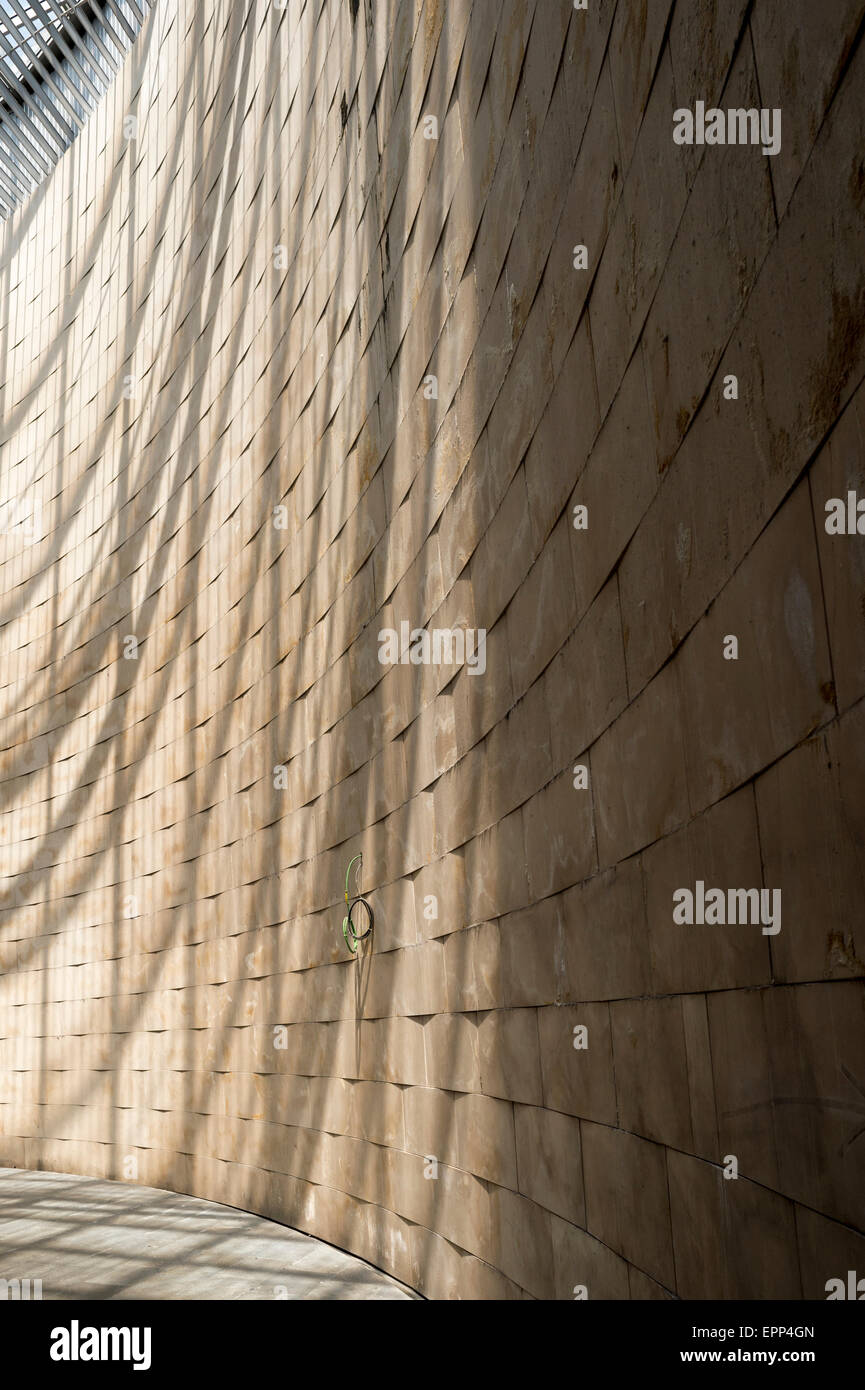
[{"x": 89, "y": 1239}]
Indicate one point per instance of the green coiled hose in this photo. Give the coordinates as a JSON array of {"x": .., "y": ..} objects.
[{"x": 357, "y": 903}]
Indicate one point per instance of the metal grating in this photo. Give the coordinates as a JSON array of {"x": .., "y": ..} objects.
[{"x": 56, "y": 62}]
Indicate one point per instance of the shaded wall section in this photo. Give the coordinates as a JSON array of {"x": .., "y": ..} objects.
[{"x": 225, "y": 471}]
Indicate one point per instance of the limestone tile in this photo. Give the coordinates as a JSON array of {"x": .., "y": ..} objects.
[
  {"x": 740, "y": 715},
  {"x": 641, "y": 1287},
  {"x": 383, "y": 1239},
  {"x": 651, "y": 1070},
  {"x": 505, "y": 550},
  {"x": 733, "y": 1239},
  {"x": 720, "y": 849},
  {"x": 365, "y": 671},
  {"x": 523, "y": 1242},
  {"x": 593, "y": 194},
  {"x": 486, "y": 959},
  {"x": 653, "y": 199},
  {"x": 635, "y": 44},
  {"x": 446, "y": 1272},
  {"x": 585, "y": 683},
  {"x": 815, "y": 1041},
  {"x": 798, "y": 53},
  {"x": 540, "y": 70},
  {"x": 744, "y": 1088},
  {"x": 469, "y": 511},
  {"x": 418, "y": 986},
  {"x": 431, "y": 743},
  {"x": 543, "y": 613},
  {"x": 405, "y": 1189},
  {"x": 495, "y": 870},
  {"x": 615, "y": 501},
  {"x": 408, "y": 837},
  {"x": 462, "y": 799},
  {"x": 418, "y": 591},
  {"x": 395, "y": 908},
  {"x": 644, "y": 749},
  {"x": 827, "y": 1250},
  {"x": 367, "y": 796},
  {"x": 530, "y": 944},
  {"x": 481, "y": 383},
  {"x": 473, "y": 968},
  {"x": 441, "y": 896},
  {"x": 509, "y": 1055},
  {"x": 578, "y": 1081},
  {"x": 508, "y": 185},
  {"x": 518, "y": 751},
  {"x": 529, "y": 381},
  {"x": 838, "y": 470},
  {"x": 560, "y": 445},
  {"x": 453, "y": 1052},
  {"x": 559, "y": 834},
  {"x": 466, "y": 1213},
  {"x": 585, "y": 49},
  {"x": 606, "y": 948},
  {"x": 701, "y": 1083},
  {"x": 485, "y": 1138},
  {"x": 811, "y": 835},
  {"x": 787, "y": 393},
  {"x": 481, "y": 701},
  {"x": 580, "y": 1260},
  {"x": 707, "y": 278},
  {"x": 480, "y": 37},
  {"x": 807, "y": 377},
  {"x": 627, "y": 1206},
  {"x": 392, "y": 1049},
  {"x": 431, "y": 1125},
  {"x": 702, "y": 41},
  {"x": 549, "y": 1161}
]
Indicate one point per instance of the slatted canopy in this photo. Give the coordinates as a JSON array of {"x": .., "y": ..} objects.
[{"x": 56, "y": 61}]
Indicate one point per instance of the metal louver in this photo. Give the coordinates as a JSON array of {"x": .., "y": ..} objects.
[{"x": 56, "y": 61}]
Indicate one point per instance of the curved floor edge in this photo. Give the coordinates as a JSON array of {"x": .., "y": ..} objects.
[{"x": 91, "y": 1238}]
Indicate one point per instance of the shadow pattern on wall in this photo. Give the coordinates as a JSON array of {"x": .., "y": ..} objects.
[{"x": 225, "y": 472}]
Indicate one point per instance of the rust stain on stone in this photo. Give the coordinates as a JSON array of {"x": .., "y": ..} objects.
[
  {"x": 840, "y": 952},
  {"x": 856, "y": 182},
  {"x": 841, "y": 354}
]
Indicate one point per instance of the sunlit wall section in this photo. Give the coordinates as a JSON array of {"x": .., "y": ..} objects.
[{"x": 396, "y": 425}]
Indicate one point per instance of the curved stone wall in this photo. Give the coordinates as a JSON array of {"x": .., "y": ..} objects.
[{"x": 285, "y": 363}]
